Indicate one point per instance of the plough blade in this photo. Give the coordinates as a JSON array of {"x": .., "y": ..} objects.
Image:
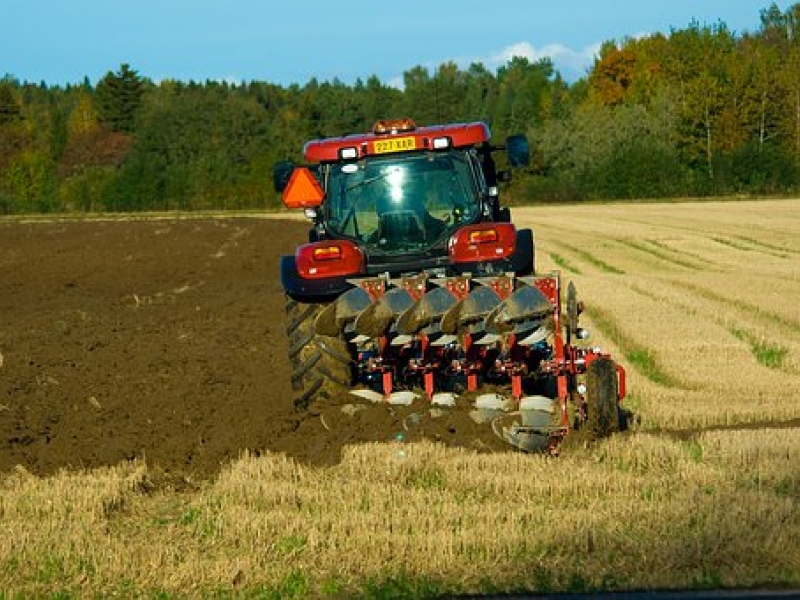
[
  {"x": 427, "y": 311},
  {"x": 489, "y": 407},
  {"x": 493, "y": 314},
  {"x": 336, "y": 316},
  {"x": 520, "y": 312},
  {"x": 471, "y": 310},
  {"x": 528, "y": 428},
  {"x": 377, "y": 318},
  {"x": 401, "y": 398}
]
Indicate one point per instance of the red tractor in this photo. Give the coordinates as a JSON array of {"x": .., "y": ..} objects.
[{"x": 416, "y": 287}]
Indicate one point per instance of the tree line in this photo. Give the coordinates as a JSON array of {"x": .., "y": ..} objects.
[{"x": 700, "y": 111}]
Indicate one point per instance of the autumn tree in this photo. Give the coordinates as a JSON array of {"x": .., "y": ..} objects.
[{"x": 612, "y": 75}]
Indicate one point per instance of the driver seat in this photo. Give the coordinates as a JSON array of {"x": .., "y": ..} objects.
[{"x": 401, "y": 226}]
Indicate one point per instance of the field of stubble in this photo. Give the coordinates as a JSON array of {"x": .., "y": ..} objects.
[{"x": 698, "y": 300}]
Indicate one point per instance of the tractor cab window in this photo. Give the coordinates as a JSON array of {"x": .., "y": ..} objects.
[{"x": 399, "y": 203}]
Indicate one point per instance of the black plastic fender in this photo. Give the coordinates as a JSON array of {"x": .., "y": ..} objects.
[
  {"x": 309, "y": 290},
  {"x": 521, "y": 262}
]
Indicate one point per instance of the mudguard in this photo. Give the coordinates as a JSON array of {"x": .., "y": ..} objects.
[
  {"x": 521, "y": 263},
  {"x": 309, "y": 290}
]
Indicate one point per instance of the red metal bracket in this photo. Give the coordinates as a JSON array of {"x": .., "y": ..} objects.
[
  {"x": 502, "y": 286},
  {"x": 374, "y": 287},
  {"x": 428, "y": 384},
  {"x": 387, "y": 383},
  {"x": 458, "y": 286},
  {"x": 415, "y": 286},
  {"x": 622, "y": 388}
]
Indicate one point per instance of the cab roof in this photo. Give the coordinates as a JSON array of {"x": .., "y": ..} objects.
[{"x": 400, "y": 135}]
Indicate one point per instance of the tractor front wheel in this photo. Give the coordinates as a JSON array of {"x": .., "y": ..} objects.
[{"x": 322, "y": 366}]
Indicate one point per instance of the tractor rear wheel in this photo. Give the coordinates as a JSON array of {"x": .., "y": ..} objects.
[
  {"x": 602, "y": 408},
  {"x": 322, "y": 366}
]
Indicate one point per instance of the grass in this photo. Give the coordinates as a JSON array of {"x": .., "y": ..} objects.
[
  {"x": 563, "y": 263},
  {"x": 660, "y": 252},
  {"x": 751, "y": 245},
  {"x": 732, "y": 244},
  {"x": 635, "y": 354},
  {"x": 593, "y": 260},
  {"x": 771, "y": 355},
  {"x": 767, "y": 354},
  {"x": 780, "y": 251}
]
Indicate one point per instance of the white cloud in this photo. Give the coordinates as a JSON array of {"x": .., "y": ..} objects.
[
  {"x": 569, "y": 62},
  {"x": 396, "y": 82}
]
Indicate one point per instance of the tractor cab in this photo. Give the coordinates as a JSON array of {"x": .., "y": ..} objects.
[
  {"x": 401, "y": 189},
  {"x": 399, "y": 203}
]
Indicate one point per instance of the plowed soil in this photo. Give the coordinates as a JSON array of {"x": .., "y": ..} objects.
[{"x": 161, "y": 340}]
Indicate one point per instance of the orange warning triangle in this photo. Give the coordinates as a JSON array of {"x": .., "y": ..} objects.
[{"x": 303, "y": 190}]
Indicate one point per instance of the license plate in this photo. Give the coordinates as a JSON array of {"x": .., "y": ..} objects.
[{"x": 394, "y": 145}]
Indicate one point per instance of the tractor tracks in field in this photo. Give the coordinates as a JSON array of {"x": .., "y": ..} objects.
[
  {"x": 667, "y": 254},
  {"x": 769, "y": 354},
  {"x": 692, "y": 433},
  {"x": 737, "y": 241},
  {"x": 748, "y": 328},
  {"x": 740, "y": 319},
  {"x": 651, "y": 246},
  {"x": 753, "y": 310},
  {"x": 636, "y": 354},
  {"x": 645, "y": 247},
  {"x": 585, "y": 256}
]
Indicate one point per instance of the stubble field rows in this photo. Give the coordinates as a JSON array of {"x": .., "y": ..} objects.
[
  {"x": 701, "y": 297},
  {"x": 698, "y": 300}
]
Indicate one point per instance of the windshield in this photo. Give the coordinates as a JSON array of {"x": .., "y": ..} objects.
[{"x": 399, "y": 203}]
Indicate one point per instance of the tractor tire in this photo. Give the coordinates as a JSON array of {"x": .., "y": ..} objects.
[
  {"x": 572, "y": 312},
  {"x": 602, "y": 408},
  {"x": 322, "y": 366}
]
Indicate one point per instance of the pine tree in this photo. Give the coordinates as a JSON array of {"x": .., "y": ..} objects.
[{"x": 119, "y": 97}]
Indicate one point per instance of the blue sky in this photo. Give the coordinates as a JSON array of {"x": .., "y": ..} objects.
[{"x": 61, "y": 41}]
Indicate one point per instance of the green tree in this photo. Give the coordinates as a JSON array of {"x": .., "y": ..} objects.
[
  {"x": 480, "y": 95},
  {"x": 30, "y": 181},
  {"x": 625, "y": 151},
  {"x": 418, "y": 93},
  {"x": 10, "y": 108},
  {"x": 703, "y": 84},
  {"x": 377, "y": 100},
  {"x": 780, "y": 31},
  {"x": 522, "y": 87},
  {"x": 119, "y": 96},
  {"x": 194, "y": 149},
  {"x": 449, "y": 89}
]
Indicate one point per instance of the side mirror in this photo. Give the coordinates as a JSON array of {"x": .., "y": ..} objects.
[
  {"x": 518, "y": 150},
  {"x": 281, "y": 173}
]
